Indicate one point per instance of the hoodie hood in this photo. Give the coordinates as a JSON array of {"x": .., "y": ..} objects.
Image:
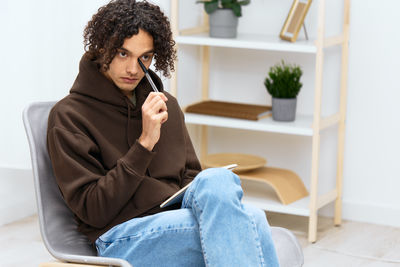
[{"x": 92, "y": 83}]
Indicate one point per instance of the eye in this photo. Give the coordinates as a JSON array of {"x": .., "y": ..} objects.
[
  {"x": 146, "y": 57},
  {"x": 122, "y": 54}
]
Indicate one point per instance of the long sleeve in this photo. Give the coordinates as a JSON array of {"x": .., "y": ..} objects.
[{"x": 95, "y": 195}]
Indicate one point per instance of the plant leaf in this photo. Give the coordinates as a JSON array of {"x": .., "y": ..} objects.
[
  {"x": 237, "y": 9},
  {"x": 210, "y": 7},
  {"x": 284, "y": 80},
  {"x": 244, "y": 2}
]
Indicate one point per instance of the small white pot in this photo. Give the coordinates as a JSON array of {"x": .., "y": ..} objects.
[
  {"x": 284, "y": 109},
  {"x": 223, "y": 23}
]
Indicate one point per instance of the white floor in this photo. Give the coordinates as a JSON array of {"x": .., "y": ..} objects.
[
  {"x": 350, "y": 245},
  {"x": 353, "y": 244}
]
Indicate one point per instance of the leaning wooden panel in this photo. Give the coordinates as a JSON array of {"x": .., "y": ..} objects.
[
  {"x": 287, "y": 184},
  {"x": 294, "y": 20}
]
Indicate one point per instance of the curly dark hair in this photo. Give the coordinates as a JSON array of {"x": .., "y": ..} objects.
[{"x": 106, "y": 32}]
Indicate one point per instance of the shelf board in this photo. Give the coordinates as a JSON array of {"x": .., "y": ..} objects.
[
  {"x": 249, "y": 41},
  {"x": 301, "y": 126},
  {"x": 264, "y": 197}
]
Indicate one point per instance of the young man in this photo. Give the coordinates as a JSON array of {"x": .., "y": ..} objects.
[{"x": 119, "y": 150}]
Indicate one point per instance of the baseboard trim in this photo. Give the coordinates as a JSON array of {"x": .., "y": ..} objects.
[
  {"x": 371, "y": 213},
  {"x": 366, "y": 212}
]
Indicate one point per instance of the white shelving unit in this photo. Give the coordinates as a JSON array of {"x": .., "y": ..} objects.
[
  {"x": 310, "y": 126},
  {"x": 249, "y": 41},
  {"x": 302, "y": 125}
]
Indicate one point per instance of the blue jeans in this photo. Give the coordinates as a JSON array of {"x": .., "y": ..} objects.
[{"x": 213, "y": 228}]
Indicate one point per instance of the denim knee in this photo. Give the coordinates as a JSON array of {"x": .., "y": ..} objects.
[
  {"x": 219, "y": 184},
  {"x": 223, "y": 175},
  {"x": 260, "y": 218}
]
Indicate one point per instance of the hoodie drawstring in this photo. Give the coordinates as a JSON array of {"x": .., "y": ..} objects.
[{"x": 128, "y": 123}]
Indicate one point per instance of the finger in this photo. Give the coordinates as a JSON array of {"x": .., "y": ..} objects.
[
  {"x": 154, "y": 99},
  {"x": 163, "y": 97},
  {"x": 163, "y": 116},
  {"x": 157, "y": 105},
  {"x": 153, "y": 105},
  {"x": 162, "y": 106},
  {"x": 154, "y": 94}
]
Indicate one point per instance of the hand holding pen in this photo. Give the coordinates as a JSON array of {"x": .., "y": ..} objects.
[
  {"x": 154, "y": 114},
  {"x": 146, "y": 73}
]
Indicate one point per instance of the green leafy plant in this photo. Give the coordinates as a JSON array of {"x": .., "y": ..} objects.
[
  {"x": 284, "y": 80},
  {"x": 236, "y": 5}
]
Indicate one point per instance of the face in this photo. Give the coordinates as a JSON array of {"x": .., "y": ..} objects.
[{"x": 124, "y": 69}]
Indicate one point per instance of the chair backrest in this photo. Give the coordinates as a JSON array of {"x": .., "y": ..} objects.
[{"x": 57, "y": 224}]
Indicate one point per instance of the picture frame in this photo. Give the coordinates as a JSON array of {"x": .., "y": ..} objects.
[{"x": 295, "y": 20}]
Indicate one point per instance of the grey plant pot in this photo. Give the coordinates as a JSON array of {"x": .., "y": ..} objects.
[
  {"x": 223, "y": 23},
  {"x": 284, "y": 109}
]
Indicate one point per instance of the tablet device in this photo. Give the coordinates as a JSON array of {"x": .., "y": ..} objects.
[{"x": 178, "y": 196}]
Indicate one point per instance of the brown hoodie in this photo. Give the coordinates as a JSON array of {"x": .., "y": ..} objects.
[{"x": 105, "y": 176}]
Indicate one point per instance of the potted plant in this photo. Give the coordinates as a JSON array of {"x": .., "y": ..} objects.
[
  {"x": 284, "y": 84},
  {"x": 223, "y": 16}
]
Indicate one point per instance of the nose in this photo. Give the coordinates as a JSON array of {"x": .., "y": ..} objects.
[{"x": 133, "y": 67}]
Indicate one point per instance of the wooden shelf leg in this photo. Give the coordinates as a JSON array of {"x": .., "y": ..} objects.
[
  {"x": 175, "y": 17},
  {"x": 319, "y": 64},
  {"x": 205, "y": 73},
  {"x": 173, "y": 82},
  {"x": 312, "y": 227},
  {"x": 313, "y": 219},
  {"x": 204, "y": 143},
  {"x": 342, "y": 112},
  {"x": 312, "y": 223},
  {"x": 175, "y": 31}
]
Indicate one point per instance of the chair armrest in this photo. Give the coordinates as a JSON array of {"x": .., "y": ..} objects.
[
  {"x": 68, "y": 264},
  {"x": 63, "y": 264}
]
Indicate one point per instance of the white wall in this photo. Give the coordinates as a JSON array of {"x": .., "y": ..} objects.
[
  {"x": 41, "y": 45},
  {"x": 372, "y": 171}
]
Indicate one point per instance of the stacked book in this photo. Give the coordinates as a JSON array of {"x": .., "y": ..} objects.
[{"x": 232, "y": 110}]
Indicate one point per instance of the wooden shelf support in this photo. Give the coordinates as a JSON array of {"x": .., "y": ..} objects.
[
  {"x": 194, "y": 30},
  {"x": 175, "y": 31},
  {"x": 319, "y": 64},
  {"x": 327, "y": 198},
  {"x": 342, "y": 111},
  {"x": 329, "y": 121},
  {"x": 335, "y": 40}
]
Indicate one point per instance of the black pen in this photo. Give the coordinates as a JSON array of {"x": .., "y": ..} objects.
[{"x": 146, "y": 73}]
